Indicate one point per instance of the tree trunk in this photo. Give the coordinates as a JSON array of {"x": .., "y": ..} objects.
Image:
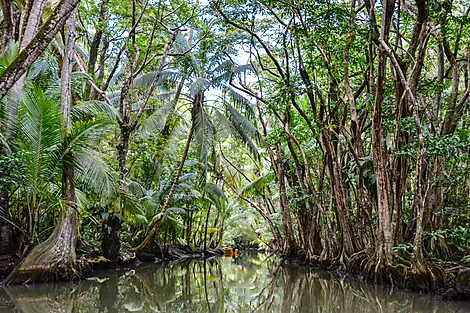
[
  {"x": 170, "y": 194},
  {"x": 55, "y": 258},
  {"x": 31, "y": 21},
  {"x": 7, "y": 30},
  {"x": 37, "y": 46},
  {"x": 384, "y": 234},
  {"x": 289, "y": 246},
  {"x": 94, "y": 47}
]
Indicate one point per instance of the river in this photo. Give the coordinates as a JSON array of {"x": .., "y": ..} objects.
[{"x": 249, "y": 283}]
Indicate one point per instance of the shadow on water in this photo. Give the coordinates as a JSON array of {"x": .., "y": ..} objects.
[{"x": 254, "y": 283}]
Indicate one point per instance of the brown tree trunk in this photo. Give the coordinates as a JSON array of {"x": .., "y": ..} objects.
[
  {"x": 384, "y": 234},
  {"x": 289, "y": 245},
  {"x": 7, "y": 30},
  {"x": 94, "y": 48}
]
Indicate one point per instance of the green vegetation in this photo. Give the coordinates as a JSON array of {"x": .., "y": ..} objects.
[{"x": 335, "y": 133}]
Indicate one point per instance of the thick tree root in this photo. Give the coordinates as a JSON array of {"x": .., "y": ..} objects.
[
  {"x": 403, "y": 273},
  {"x": 52, "y": 260}
]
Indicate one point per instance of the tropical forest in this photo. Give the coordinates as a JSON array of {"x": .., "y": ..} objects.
[{"x": 234, "y": 155}]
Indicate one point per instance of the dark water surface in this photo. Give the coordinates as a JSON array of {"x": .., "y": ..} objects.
[{"x": 250, "y": 283}]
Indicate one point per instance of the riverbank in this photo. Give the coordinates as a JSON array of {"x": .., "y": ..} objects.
[
  {"x": 90, "y": 258},
  {"x": 249, "y": 283},
  {"x": 448, "y": 279}
]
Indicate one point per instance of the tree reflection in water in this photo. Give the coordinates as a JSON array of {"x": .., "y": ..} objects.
[{"x": 255, "y": 283}]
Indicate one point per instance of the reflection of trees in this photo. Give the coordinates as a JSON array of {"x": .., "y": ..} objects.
[
  {"x": 307, "y": 291},
  {"x": 249, "y": 284},
  {"x": 6, "y": 304},
  {"x": 108, "y": 295},
  {"x": 47, "y": 298}
]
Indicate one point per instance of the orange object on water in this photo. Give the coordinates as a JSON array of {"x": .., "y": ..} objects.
[{"x": 230, "y": 252}]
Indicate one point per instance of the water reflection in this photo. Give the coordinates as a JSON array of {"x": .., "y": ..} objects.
[{"x": 253, "y": 283}]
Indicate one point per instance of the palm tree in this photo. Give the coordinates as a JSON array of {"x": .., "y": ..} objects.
[
  {"x": 55, "y": 258},
  {"x": 219, "y": 68}
]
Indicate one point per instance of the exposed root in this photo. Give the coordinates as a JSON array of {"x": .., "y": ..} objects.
[
  {"x": 52, "y": 260},
  {"x": 426, "y": 277}
]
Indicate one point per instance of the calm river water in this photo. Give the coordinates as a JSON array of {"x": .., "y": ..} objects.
[{"x": 249, "y": 283}]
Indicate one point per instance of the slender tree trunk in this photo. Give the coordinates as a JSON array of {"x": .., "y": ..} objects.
[
  {"x": 170, "y": 194},
  {"x": 94, "y": 47},
  {"x": 346, "y": 235},
  {"x": 7, "y": 30},
  {"x": 384, "y": 233},
  {"x": 289, "y": 245},
  {"x": 205, "y": 228}
]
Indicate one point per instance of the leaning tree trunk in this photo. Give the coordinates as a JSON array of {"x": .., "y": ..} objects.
[
  {"x": 170, "y": 194},
  {"x": 55, "y": 258}
]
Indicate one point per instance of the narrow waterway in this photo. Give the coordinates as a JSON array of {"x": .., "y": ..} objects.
[{"x": 249, "y": 283}]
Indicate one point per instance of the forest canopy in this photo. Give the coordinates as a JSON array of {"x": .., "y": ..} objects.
[{"x": 336, "y": 133}]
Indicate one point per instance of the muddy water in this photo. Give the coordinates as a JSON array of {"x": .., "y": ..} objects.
[{"x": 250, "y": 283}]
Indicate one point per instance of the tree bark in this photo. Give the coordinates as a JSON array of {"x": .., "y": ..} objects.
[
  {"x": 94, "y": 47},
  {"x": 7, "y": 31},
  {"x": 289, "y": 245},
  {"x": 37, "y": 45},
  {"x": 384, "y": 233}
]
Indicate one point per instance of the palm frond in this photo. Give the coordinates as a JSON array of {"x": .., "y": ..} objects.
[
  {"x": 114, "y": 97},
  {"x": 94, "y": 174},
  {"x": 156, "y": 121},
  {"x": 10, "y": 106},
  {"x": 182, "y": 46},
  {"x": 166, "y": 76},
  {"x": 198, "y": 85},
  {"x": 256, "y": 187},
  {"x": 92, "y": 108},
  {"x": 135, "y": 209},
  {"x": 240, "y": 102},
  {"x": 39, "y": 133},
  {"x": 241, "y": 128},
  {"x": 204, "y": 137},
  {"x": 47, "y": 62},
  {"x": 216, "y": 195},
  {"x": 85, "y": 134},
  {"x": 136, "y": 189}
]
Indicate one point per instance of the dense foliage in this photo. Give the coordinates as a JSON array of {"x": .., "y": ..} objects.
[{"x": 335, "y": 132}]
